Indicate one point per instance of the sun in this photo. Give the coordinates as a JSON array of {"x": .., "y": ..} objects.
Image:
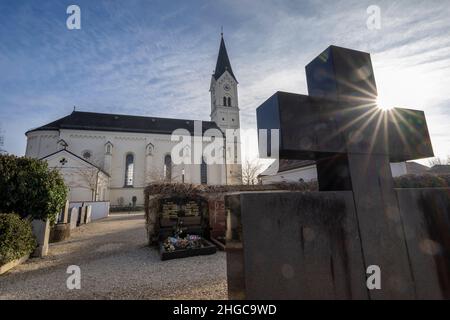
[{"x": 383, "y": 104}]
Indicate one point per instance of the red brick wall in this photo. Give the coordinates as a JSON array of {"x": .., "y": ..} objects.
[{"x": 217, "y": 217}]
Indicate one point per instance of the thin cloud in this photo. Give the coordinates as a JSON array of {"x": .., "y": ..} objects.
[{"x": 156, "y": 58}]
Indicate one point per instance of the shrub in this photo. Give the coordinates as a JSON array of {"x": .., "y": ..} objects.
[
  {"x": 29, "y": 188},
  {"x": 16, "y": 238},
  {"x": 422, "y": 181}
]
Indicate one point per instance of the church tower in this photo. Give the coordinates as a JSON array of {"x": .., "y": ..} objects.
[{"x": 225, "y": 111}]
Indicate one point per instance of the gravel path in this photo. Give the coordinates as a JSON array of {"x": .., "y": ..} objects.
[{"x": 116, "y": 263}]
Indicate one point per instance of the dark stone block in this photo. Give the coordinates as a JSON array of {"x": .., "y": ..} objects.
[
  {"x": 294, "y": 246},
  {"x": 312, "y": 128},
  {"x": 341, "y": 73},
  {"x": 408, "y": 135},
  {"x": 333, "y": 173}
]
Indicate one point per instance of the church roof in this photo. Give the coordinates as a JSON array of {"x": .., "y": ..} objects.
[
  {"x": 223, "y": 62},
  {"x": 78, "y": 120}
]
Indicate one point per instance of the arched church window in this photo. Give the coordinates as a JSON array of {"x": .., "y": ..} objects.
[
  {"x": 203, "y": 172},
  {"x": 168, "y": 167},
  {"x": 225, "y": 101},
  {"x": 108, "y": 148},
  {"x": 129, "y": 170},
  {"x": 229, "y": 101}
]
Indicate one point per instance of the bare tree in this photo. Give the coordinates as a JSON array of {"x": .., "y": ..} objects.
[
  {"x": 250, "y": 171},
  {"x": 158, "y": 175},
  {"x": 88, "y": 179},
  {"x": 155, "y": 175},
  {"x": 2, "y": 141}
]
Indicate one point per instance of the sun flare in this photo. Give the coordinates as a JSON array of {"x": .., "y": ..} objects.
[{"x": 383, "y": 104}]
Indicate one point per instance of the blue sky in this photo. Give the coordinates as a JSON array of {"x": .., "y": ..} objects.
[{"x": 156, "y": 57}]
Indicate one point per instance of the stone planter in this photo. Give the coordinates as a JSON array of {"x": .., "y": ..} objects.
[
  {"x": 60, "y": 232},
  {"x": 8, "y": 266}
]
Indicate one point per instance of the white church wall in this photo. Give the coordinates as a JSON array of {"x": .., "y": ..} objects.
[
  {"x": 306, "y": 173},
  {"x": 146, "y": 168},
  {"x": 41, "y": 143},
  {"x": 124, "y": 196},
  {"x": 78, "y": 176},
  {"x": 80, "y": 141}
]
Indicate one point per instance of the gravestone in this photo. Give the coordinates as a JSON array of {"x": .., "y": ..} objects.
[
  {"x": 74, "y": 213},
  {"x": 340, "y": 126},
  {"x": 65, "y": 213},
  {"x": 63, "y": 216},
  {"x": 88, "y": 214},
  {"x": 81, "y": 216}
]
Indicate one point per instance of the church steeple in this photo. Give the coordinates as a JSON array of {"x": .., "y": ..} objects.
[
  {"x": 223, "y": 62},
  {"x": 225, "y": 112},
  {"x": 224, "y": 92}
]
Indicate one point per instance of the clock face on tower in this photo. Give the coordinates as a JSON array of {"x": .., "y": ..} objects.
[{"x": 226, "y": 87}]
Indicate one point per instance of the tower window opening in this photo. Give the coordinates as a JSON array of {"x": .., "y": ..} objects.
[
  {"x": 168, "y": 168},
  {"x": 129, "y": 170}
]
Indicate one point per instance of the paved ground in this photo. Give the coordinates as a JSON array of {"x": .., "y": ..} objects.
[{"x": 115, "y": 263}]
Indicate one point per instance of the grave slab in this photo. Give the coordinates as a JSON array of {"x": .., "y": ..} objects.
[{"x": 74, "y": 213}]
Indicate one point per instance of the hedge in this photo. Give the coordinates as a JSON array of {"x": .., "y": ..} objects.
[
  {"x": 29, "y": 188},
  {"x": 422, "y": 181},
  {"x": 16, "y": 238}
]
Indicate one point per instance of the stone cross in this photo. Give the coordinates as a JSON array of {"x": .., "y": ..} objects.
[
  {"x": 353, "y": 142},
  {"x": 339, "y": 124}
]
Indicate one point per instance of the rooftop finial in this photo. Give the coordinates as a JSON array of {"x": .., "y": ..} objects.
[
  {"x": 221, "y": 31},
  {"x": 74, "y": 108}
]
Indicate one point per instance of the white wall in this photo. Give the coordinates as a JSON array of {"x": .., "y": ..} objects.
[
  {"x": 41, "y": 143},
  {"x": 100, "y": 209},
  {"x": 146, "y": 168},
  {"x": 398, "y": 169},
  {"x": 307, "y": 174},
  {"x": 310, "y": 173},
  {"x": 80, "y": 177}
]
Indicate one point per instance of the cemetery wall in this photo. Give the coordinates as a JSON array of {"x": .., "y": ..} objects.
[{"x": 100, "y": 209}]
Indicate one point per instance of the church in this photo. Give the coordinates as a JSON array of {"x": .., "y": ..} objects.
[{"x": 113, "y": 157}]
